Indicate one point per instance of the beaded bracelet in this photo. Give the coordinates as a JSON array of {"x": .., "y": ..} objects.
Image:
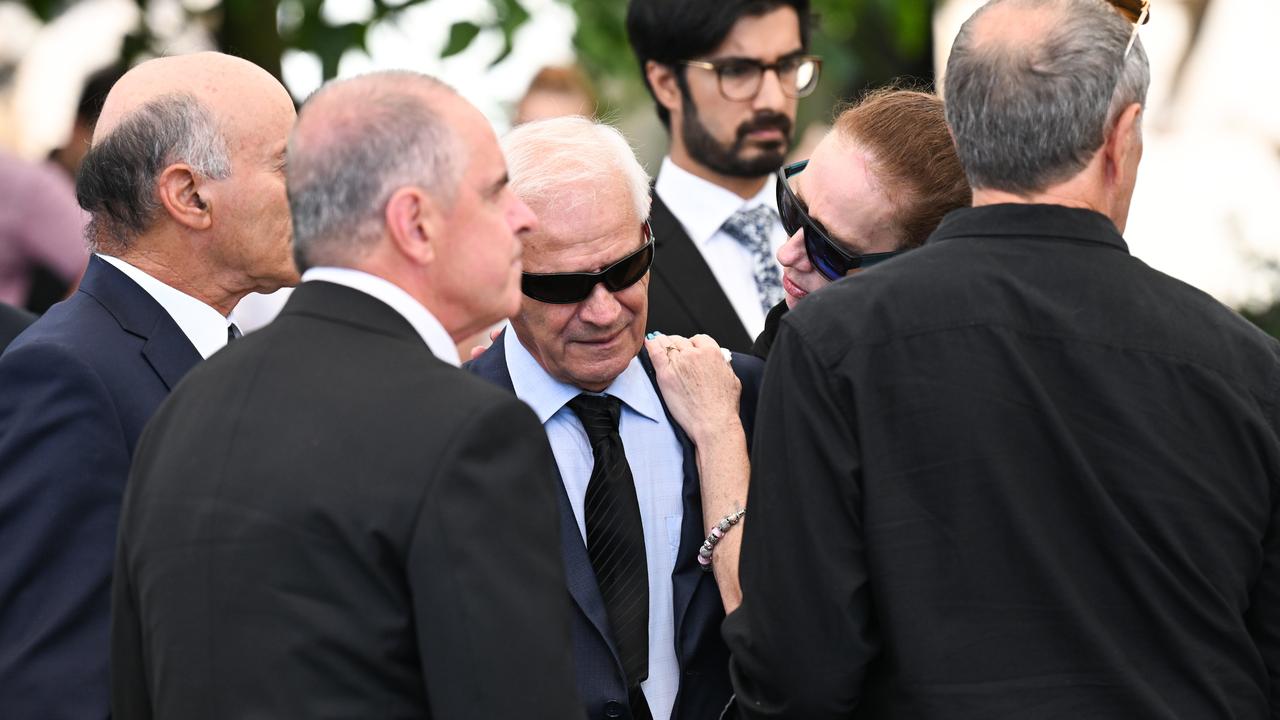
[{"x": 717, "y": 533}]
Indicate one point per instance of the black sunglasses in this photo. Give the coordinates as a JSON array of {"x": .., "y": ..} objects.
[
  {"x": 571, "y": 287},
  {"x": 827, "y": 256}
]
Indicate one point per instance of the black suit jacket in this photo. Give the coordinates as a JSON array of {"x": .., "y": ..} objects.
[
  {"x": 326, "y": 520},
  {"x": 76, "y": 390},
  {"x": 698, "y": 609},
  {"x": 12, "y": 322},
  {"x": 684, "y": 296}
]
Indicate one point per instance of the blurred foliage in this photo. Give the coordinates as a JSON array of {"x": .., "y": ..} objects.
[
  {"x": 863, "y": 42},
  {"x": 1267, "y": 318}
]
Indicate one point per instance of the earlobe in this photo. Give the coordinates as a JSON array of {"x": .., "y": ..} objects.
[
  {"x": 662, "y": 79},
  {"x": 185, "y": 197}
]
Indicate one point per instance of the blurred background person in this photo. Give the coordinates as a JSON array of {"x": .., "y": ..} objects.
[
  {"x": 557, "y": 92},
  {"x": 726, "y": 79},
  {"x": 42, "y": 242}
]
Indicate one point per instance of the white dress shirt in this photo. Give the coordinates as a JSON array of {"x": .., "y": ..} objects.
[
  {"x": 426, "y": 324},
  {"x": 204, "y": 326},
  {"x": 702, "y": 207},
  {"x": 657, "y": 465}
]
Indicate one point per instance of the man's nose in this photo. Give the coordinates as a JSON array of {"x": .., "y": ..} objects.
[
  {"x": 770, "y": 96},
  {"x": 600, "y": 308}
]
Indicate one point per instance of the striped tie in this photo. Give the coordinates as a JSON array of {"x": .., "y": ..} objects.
[{"x": 615, "y": 541}]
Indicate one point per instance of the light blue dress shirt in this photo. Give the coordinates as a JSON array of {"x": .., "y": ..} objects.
[{"x": 657, "y": 465}]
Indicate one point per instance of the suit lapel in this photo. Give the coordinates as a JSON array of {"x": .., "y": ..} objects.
[
  {"x": 166, "y": 348},
  {"x": 681, "y": 272},
  {"x": 686, "y": 574},
  {"x": 579, "y": 576}
]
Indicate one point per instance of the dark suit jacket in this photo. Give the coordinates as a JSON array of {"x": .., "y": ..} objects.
[
  {"x": 700, "y": 651},
  {"x": 12, "y": 322},
  {"x": 684, "y": 296},
  {"x": 75, "y": 392},
  {"x": 325, "y": 520}
]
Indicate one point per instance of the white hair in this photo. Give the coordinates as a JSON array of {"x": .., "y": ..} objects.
[{"x": 548, "y": 159}]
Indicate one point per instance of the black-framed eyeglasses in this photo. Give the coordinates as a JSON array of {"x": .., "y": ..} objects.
[
  {"x": 740, "y": 78},
  {"x": 572, "y": 287},
  {"x": 826, "y": 255}
]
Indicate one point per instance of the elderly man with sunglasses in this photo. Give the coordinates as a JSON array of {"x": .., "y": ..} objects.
[
  {"x": 634, "y": 509},
  {"x": 1017, "y": 473}
]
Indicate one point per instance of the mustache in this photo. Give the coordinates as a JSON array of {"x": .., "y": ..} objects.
[{"x": 765, "y": 121}]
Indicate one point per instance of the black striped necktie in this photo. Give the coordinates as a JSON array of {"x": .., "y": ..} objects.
[
  {"x": 233, "y": 332},
  {"x": 615, "y": 541}
]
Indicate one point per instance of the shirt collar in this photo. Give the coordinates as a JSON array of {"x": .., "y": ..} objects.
[
  {"x": 204, "y": 326},
  {"x": 546, "y": 395},
  {"x": 702, "y": 206},
  {"x": 426, "y": 324},
  {"x": 1030, "y": 221}
]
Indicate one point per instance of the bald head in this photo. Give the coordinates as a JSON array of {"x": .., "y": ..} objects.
[
  {"x": 186, "y": 168},
  {"x": 229, "y": 87},
  {"x": 359, "y": 140},
  {"x": 1032, "y": 86}
]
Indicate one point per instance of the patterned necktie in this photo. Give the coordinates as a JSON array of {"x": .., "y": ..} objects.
[
  {"x": 233, "y": 333},
  {"x": 751, "y": 229},
  {"x": 615, "y": 541}
]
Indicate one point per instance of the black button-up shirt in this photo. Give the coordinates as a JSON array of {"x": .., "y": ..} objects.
[{"x": 1014, "y": 474}]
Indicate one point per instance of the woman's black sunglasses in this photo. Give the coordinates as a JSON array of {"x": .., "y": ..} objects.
[
  {"x": 827, "y": 256},
  {"x": 572, "y": 287}
]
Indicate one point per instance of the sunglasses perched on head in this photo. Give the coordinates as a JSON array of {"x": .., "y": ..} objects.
[
  {"x": 1137, "y": 12},
  {"x": 572, "y": 287},
  {"x": 827, "y": 256}
]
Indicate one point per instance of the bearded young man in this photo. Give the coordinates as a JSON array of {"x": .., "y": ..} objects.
[{"x": 726, "y": 78}]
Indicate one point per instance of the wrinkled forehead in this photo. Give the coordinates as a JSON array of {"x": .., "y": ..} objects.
[{"x": 584, "y": 228}]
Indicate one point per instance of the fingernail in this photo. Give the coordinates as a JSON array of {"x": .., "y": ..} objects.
[{"x": 653, "y": 335}]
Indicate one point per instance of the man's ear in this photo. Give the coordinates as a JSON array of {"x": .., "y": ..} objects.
[
  {"x": 186, "y": 196},
  {"x": 666, "y": 88},
  {"x": 415, "y": 222},
  {"x": 1124, "y": 146}
]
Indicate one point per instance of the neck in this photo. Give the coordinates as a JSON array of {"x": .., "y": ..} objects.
[
  {"x": 193, "y": 276},
  {"x": 745, "y": 188},
  {"x": 1081, "y": 191}
]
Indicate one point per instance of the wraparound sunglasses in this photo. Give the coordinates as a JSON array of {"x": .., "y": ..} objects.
[
  {"x": 572, "y": 287},
  {"x": 827, "y": 256}
]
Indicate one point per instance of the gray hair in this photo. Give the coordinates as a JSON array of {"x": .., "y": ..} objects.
[
  {"x": 548, "y": 159},
  {"x": 381, "y": 134},
  {"x": 1026, "y": 118},
  {"x": 117, "y": 179}
]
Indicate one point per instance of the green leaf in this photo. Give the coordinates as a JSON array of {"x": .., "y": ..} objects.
[{"x": 460, "y": 36}]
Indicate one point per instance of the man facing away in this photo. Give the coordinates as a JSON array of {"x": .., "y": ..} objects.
[
  {"x": 185, "y": 186},
  {"x": 1017, "y": 472},
  {"x": 634, "y": 506},
  {"x": 330, "y": 519},
  {"x": 725, "y": 77}
]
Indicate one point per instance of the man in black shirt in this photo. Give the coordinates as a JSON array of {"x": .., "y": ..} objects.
[{"x": 1017, "y": 473}]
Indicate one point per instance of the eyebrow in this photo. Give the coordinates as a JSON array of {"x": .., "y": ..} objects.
[
  {"x": 738, "y": 58},
  {"x": 497, "y": 186}
]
